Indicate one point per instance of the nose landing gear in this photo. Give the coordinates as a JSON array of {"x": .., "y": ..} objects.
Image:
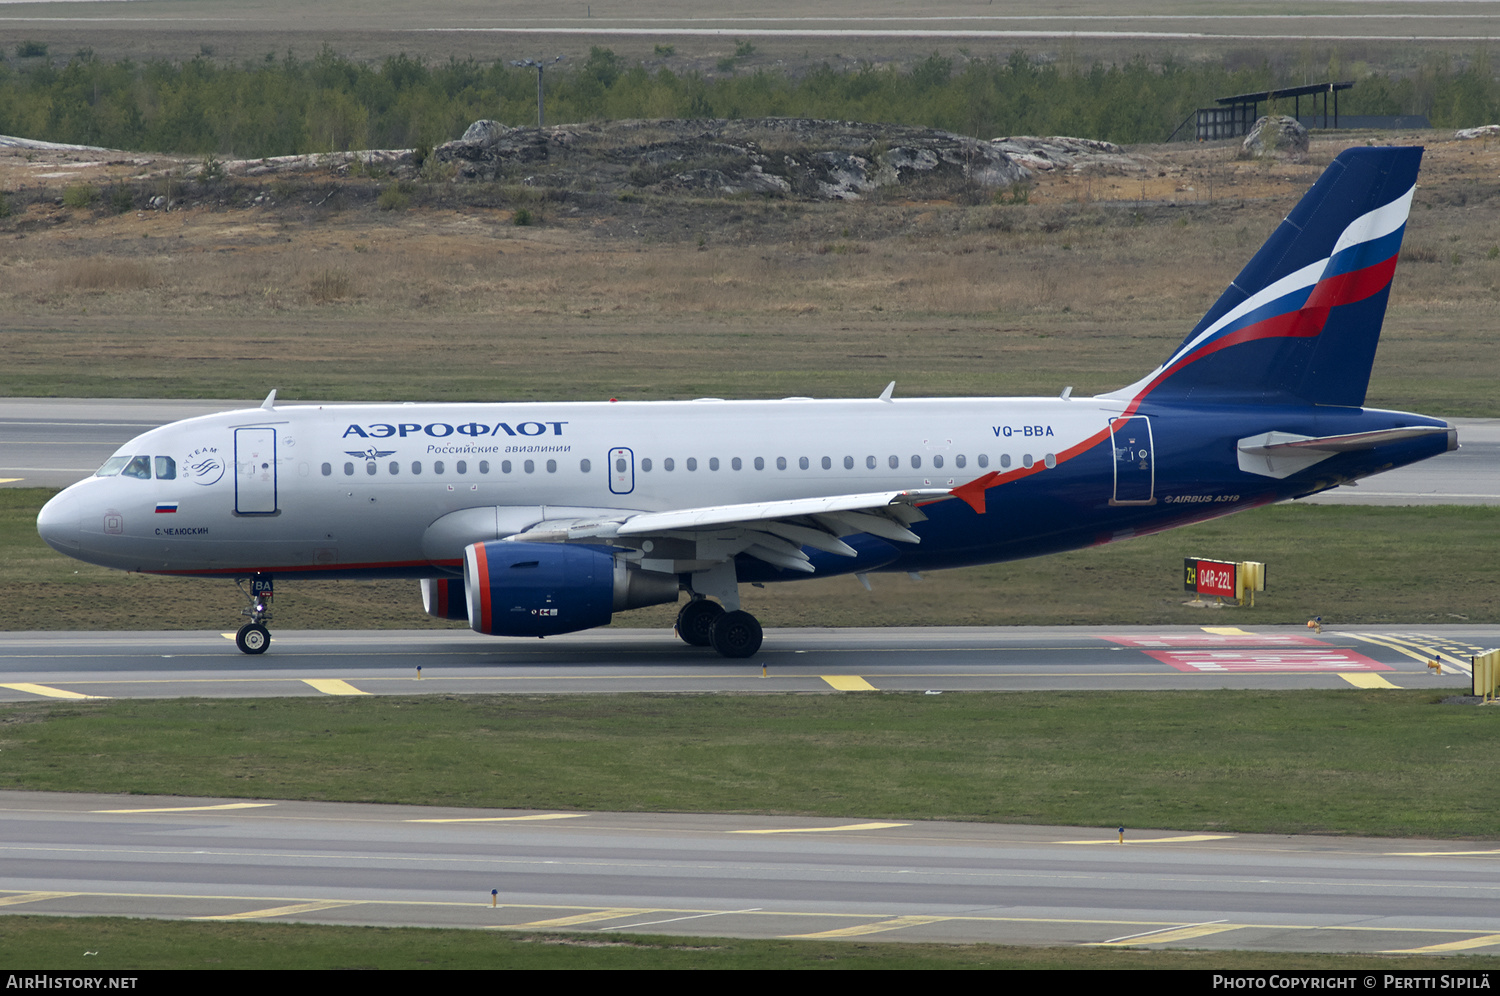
[{"x": 254, "y": 637}]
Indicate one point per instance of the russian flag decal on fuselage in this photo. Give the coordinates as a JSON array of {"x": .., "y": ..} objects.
[{"x": 165, "y": 507}]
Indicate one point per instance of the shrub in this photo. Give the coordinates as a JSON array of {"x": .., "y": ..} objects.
[
  {"x": 522, "y": 217},
  {"x": 393, "y": 199},
  {"x": 330, "y": 285},
  {"x": 80, "y": 195},
  {"x": 122, "y": 199},
  {"x": 31, "y": 49}
]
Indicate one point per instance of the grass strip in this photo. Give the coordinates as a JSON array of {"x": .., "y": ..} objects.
[
  {"x": 1377, "y": 763},
  {"x": 117, "y": 943},
  {"x": 1348, "y": 564}
]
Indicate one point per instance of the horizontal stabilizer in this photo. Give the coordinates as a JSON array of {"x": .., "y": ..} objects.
[{"x": 1281, "y": 454}]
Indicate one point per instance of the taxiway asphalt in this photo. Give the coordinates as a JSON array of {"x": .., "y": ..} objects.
[
  {"x": 64, "y": 665},
  {"x": 742, "y": 876}
]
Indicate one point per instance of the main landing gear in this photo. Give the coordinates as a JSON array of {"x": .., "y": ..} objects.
[
  {"x": 701, "y": 623},
  {"x": 254, "y": 637}
]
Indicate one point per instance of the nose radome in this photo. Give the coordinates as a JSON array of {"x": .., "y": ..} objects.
[{"x": 59, "y": 523}]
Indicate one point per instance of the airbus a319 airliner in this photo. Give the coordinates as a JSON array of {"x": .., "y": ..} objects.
[{"x": 535, "y": 519}]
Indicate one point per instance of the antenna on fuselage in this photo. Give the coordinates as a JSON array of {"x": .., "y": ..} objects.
[
  {"x": 889, "y": 390},
  {"x": 270, "y": 403}
]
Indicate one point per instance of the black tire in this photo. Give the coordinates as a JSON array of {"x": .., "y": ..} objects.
[
  {"x": 253, "y": 638},
  {"x": 736, "y": 634},
  {"x": 695, "y": 622}
]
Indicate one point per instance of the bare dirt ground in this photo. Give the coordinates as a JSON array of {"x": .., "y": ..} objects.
[{"x": 304, "y": 282}]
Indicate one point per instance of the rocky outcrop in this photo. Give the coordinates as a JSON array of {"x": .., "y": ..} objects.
[
  {"x": 1483, "y": 131},
  {"x": 1059, "y": 152},
  {"x": 1275, "y": 135},
  {"x": 825, "y": 160}
]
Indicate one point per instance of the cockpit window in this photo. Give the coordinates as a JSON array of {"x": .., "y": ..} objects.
[
  {"x": 139, "y": 466},
  {"x": 112, "y": 466},
  {"x": 166, "y": 469}
]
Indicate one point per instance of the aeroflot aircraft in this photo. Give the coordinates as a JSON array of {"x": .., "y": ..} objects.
[{"x": 540, "y": 518}]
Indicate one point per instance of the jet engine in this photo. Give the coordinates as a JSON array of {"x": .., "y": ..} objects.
[
  {"x": 542, "y": 589},
  {"x": 443, "y": 598}
]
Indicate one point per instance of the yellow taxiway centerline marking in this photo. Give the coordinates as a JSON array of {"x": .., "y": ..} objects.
[
  {"x": 333, "y": 686},
  {"x": 35, "y": 897},
  {"x": 848, "y": 682},
  {"x": 1191, "y": 838},
  {"x": 313, "y": 907},
  {"x": 1364, "y": 679},
  {"x": 1442, "y": 854},
  {"x": 573, "y": 921},
  {"x": 1474, "y": 942},
  {"x": 1411, "y": 649},
  {"x": 1225, "y": 631},
  {"x": 848, "y": 826},
  {"x": 11, "y": 480},
  {"x": 895, "y": 923},
  {"x": 49, "y": 691},
  {"x": 1167, "y": 936},
  {"x": 191, "y": 809},
  {"x": 504, "y": 819}
]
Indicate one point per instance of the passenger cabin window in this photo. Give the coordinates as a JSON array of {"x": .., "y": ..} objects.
[
  {"x": 328, "y": 470},
  {"x": 584, "y": 466}
]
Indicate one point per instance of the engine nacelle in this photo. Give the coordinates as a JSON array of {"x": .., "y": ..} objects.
[
  {"x": 443, "y": 598},
  {"x": 542, "y": 589}
]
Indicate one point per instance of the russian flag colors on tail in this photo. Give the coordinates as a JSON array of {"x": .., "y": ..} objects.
[{"x": 1302, "y": 320}]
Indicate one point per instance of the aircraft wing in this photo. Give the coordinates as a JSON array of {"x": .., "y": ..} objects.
[{"x": 775, "y": 531}]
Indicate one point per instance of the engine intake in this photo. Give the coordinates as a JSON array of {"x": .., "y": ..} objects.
[{"x": 542, "y": 589}]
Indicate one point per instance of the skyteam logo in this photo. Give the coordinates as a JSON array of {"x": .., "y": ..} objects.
[{"x": 203, "y": 466}]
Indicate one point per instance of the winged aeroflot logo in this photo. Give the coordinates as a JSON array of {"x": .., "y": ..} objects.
[{"x": 370, "y": 453}]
